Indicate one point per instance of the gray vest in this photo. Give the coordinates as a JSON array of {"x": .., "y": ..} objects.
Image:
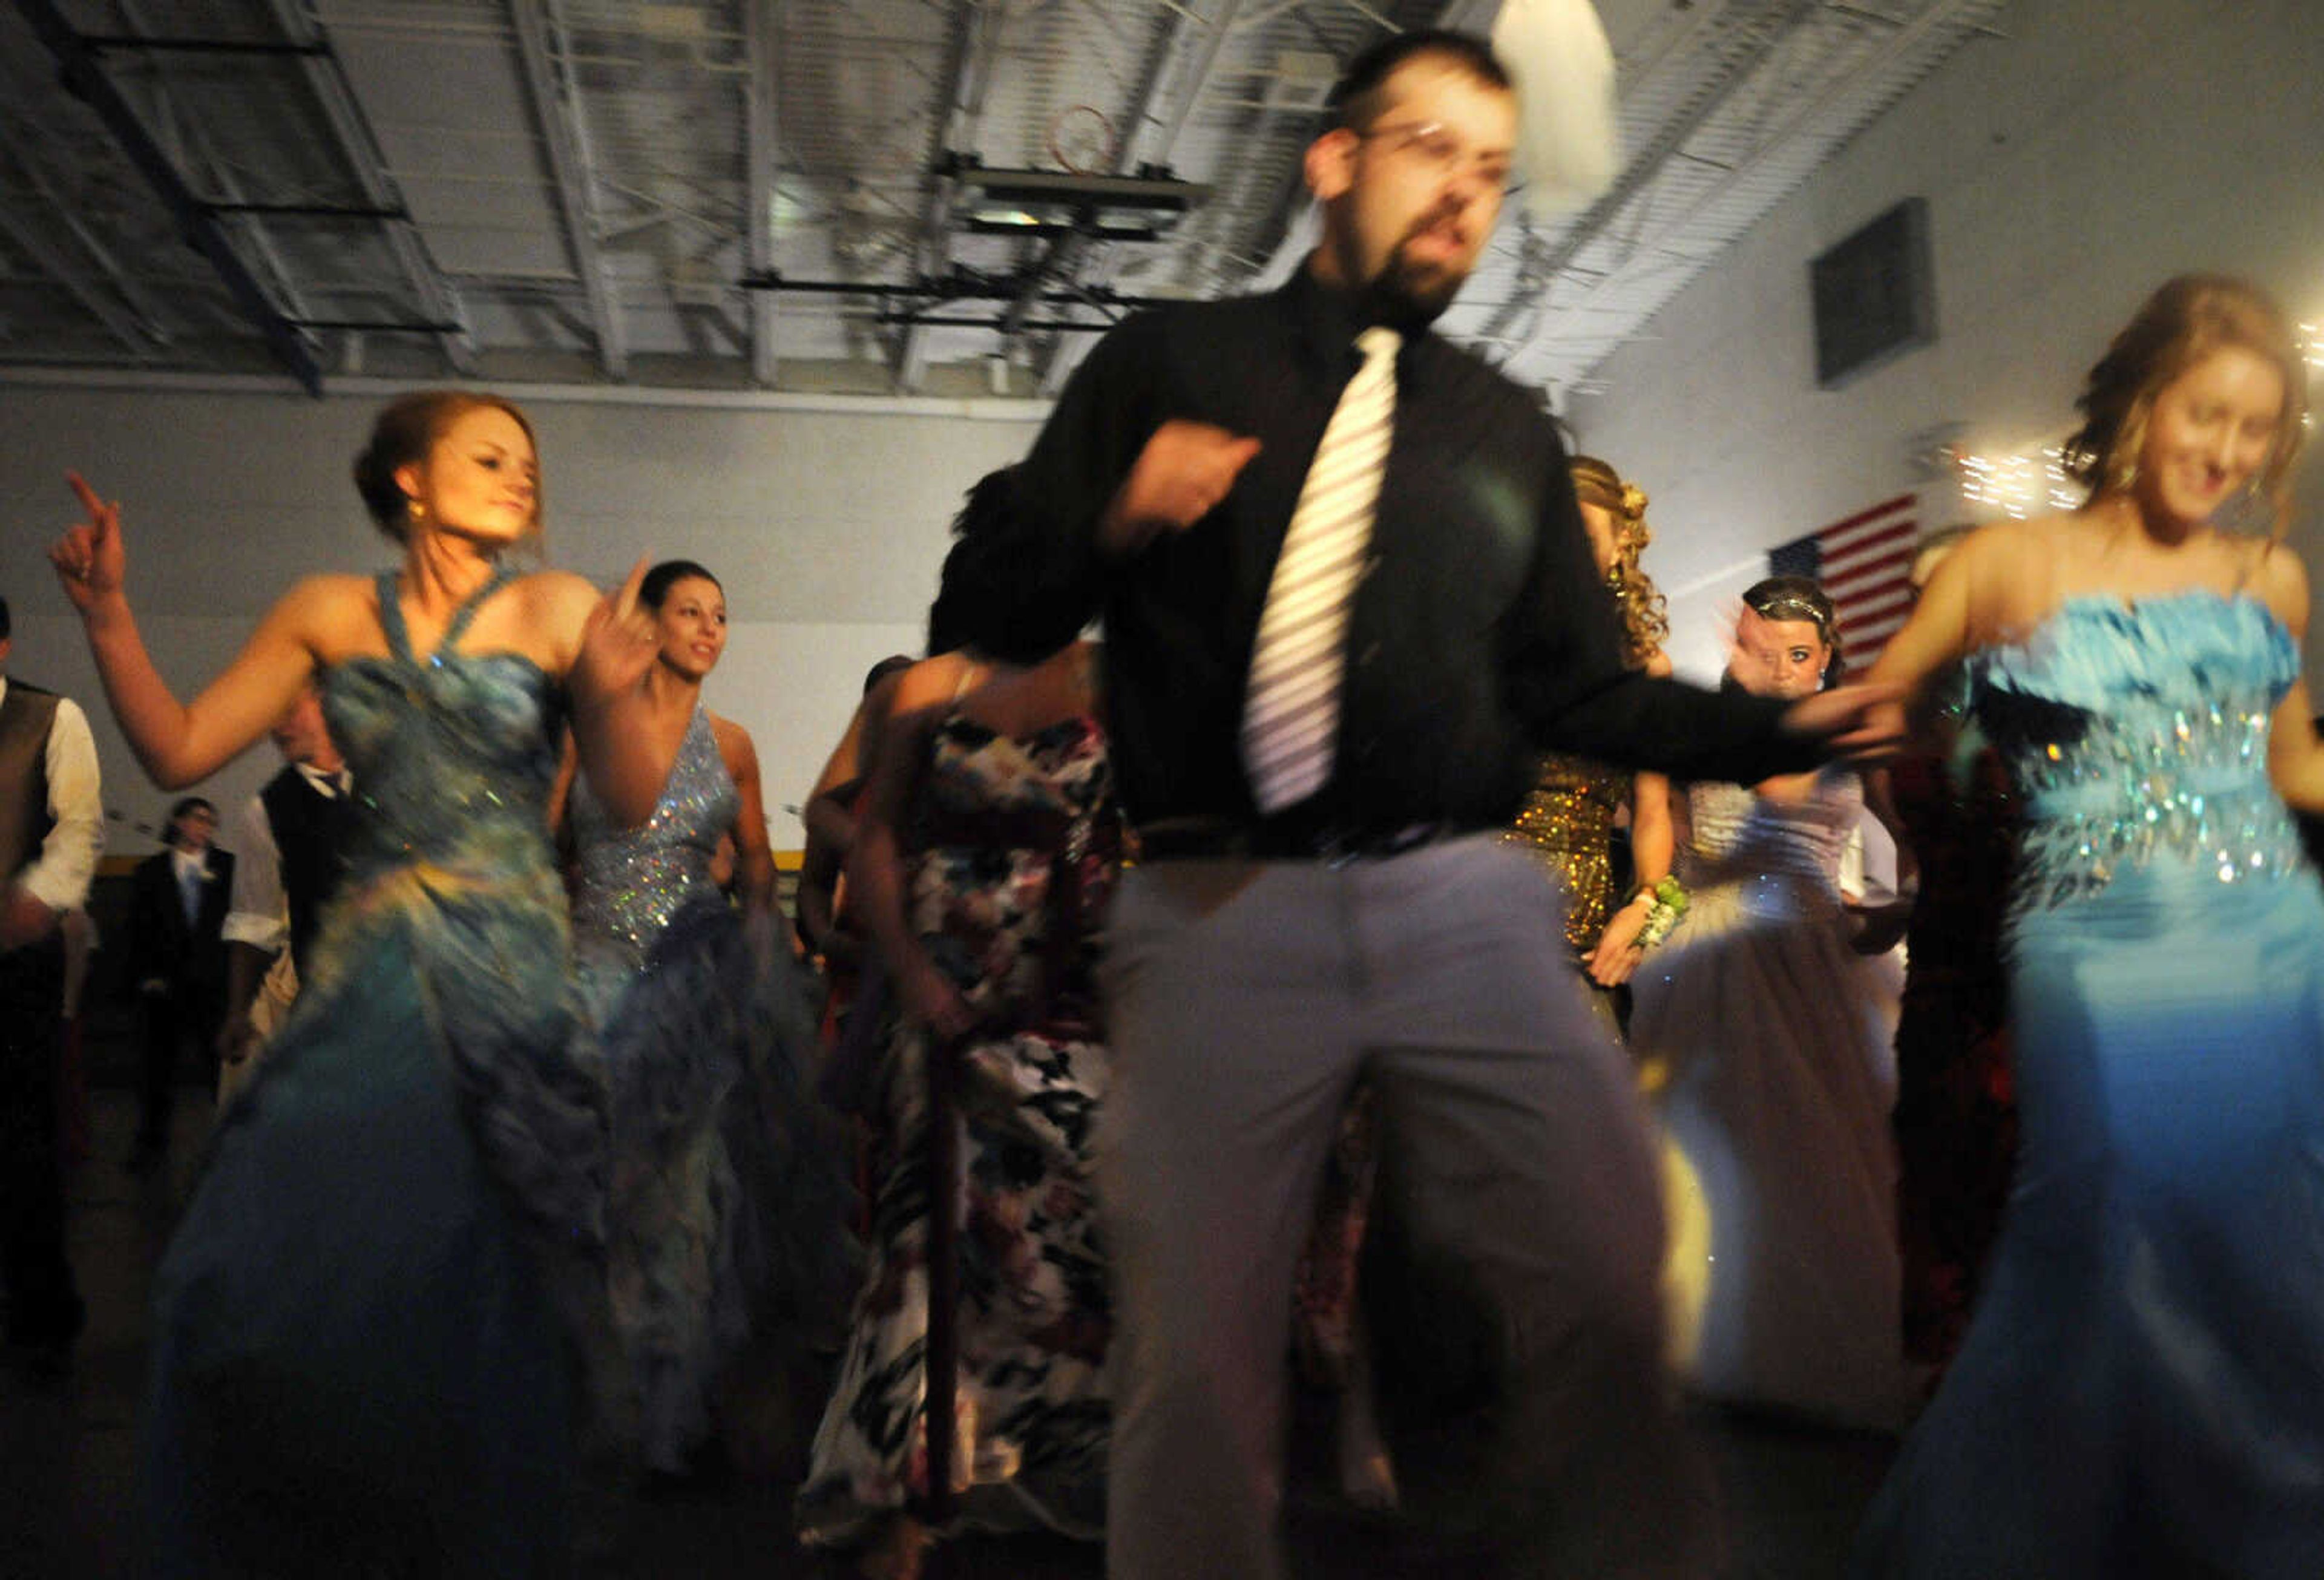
[{"x": 25, "y": 715}]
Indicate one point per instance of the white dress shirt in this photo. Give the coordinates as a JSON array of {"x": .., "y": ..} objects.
[
  {"x": 259, "y": 913},
  {"x": 61, "y": 876}
]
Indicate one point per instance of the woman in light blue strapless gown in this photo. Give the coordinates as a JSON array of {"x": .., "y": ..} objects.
[
  {"x": 359, "y": 1365},
  {"x": 2142, "y": 1390},
  {"x": 726, "y": 1190}
]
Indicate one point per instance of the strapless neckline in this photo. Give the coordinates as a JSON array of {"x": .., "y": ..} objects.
[{"x": 2117, "y": 608}]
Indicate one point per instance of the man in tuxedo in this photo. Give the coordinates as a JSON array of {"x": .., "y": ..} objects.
[
  {"x": 177, "y": 957},
  {"x": 290, "y": 841}
]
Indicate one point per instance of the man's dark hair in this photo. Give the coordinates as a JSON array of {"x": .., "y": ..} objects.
[
  {"x": 179, "y": 808},
  {"x": 1355, "y": 98},
  {"x": 4, "y": 620}
]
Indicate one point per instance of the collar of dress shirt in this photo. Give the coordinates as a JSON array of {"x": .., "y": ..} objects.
[
  {"x": 331, "y": 786},
  {"x": 182, "y": 862},
  {"x": 1327, "y": 319}
]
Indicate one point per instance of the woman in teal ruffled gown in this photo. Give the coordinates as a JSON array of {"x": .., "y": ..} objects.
[
  {"x": 358, "y": 1366},
  {"x": 726, "y": 1187},
  {"x": 2140, "y": 1392}
]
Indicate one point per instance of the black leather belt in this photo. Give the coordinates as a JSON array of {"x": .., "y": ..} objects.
[{"x": 1289, "y": 837}]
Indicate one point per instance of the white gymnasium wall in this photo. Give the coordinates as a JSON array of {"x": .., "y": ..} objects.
[
  {"x": 826, "y": 524},
  {"x": 2069, "y": 167}
]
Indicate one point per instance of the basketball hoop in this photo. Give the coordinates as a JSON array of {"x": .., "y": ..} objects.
[{"x": 1081, "y": 140}]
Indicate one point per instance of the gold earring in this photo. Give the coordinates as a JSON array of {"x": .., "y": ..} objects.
[{"x": 415, "y": 509}]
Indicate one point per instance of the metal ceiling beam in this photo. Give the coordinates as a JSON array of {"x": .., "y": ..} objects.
[
  {"x": 1542, "y": 261},
  {"x": 1193, "y": 78},
  {"x": 148, "y": 312},
  {"x": 971, "y": 41},
  {"x": 35, "y": 242},
  {"x": 149, "y": 43},
  {"x": 1196, "y": 77},
  {"x": 85, "y": 78},
  {"x": 762, "y": 21},
  {"x": 556, "y": 107},
  {"x": 957, "y": 285},
  {"x": 325, "y": 78},
  {"x": 1265, "y": 238},
  {"x": 222, "y": 178},
  {"x": 1066, "y": 252},
  {"x": 1802, "y": 115}
]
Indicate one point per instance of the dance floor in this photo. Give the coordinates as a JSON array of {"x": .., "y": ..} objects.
[{"x": 67, "y": 1446}]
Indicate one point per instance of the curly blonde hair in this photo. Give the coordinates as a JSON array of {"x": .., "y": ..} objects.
[{"x": 1646, "y": 618}]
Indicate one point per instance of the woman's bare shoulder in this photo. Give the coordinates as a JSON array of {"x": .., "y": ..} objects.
[
  {"x": 333, "y": 615},
  {"x": 2280, "y": 581},
  {"x": 734, "y": 742},
  {"x": 555, "y": 591}
]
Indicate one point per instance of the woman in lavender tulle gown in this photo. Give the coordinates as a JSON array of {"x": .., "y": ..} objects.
[
  {"x": 1775, "y": 1037},
  {"x": 725, "y": 1190},
  {"x": 2140, "y": 1392}
]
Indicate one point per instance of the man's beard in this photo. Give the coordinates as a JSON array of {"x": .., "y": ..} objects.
[{"x": 1412, "y": 295}]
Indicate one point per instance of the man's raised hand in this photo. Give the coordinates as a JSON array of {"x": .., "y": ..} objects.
[{"x": 1185, "y": 469}]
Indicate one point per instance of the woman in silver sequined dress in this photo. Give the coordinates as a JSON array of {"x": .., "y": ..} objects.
[{"x": 724, "y": 1193}]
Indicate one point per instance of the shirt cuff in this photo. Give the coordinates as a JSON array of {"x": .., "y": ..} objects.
[
  {"x": 260, "y": 932},
  {"x": 58, "y": 892}
]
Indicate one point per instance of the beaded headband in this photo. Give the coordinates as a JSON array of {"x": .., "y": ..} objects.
[{"x": 1786, "y": 606}]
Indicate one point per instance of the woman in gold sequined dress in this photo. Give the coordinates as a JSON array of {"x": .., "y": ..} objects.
[{"x": 1569, "y": 818}]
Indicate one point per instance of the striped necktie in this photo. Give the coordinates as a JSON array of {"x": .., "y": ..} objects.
[{"x": 1291, "y": 715}]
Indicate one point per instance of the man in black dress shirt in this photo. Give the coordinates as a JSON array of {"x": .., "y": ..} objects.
[
  {"x": 177, "y": 957},
  {"x": 1262, "y": 960}
]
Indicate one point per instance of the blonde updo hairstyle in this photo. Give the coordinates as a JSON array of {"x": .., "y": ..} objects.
[
  {"x": 1646, "y": 620},
  {"x": 406, "y": 429},
  {"x": 2183, "y": 322}
]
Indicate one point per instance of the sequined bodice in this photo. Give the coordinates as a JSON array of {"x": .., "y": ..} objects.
[
  {"x": 453, "y": 755},
  {"x": 634, "y": 881},
  {"x": 1568, "y": 822},
  {"x": 1781, "y": 856},
  {"x": 2137, "y": 736}
]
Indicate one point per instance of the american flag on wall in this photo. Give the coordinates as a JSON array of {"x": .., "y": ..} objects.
[{"x": 1864, "y": 563}]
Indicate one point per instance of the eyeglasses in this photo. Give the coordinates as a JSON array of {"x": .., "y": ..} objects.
[{"x": 1437, "y": 148}]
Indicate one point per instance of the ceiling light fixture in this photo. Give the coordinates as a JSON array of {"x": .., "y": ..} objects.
[{"x": 1141, "y": 208}]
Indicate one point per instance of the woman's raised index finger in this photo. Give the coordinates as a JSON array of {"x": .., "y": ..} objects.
[
  {"x": 96, "y": 508},
  {"x": 625, "y": 597}
]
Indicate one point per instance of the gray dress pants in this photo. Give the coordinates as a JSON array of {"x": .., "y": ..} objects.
[{"x": 1245, "y": 998}]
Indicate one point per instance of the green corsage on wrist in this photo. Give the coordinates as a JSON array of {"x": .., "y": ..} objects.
[{"x": 1669, "y": 898}]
